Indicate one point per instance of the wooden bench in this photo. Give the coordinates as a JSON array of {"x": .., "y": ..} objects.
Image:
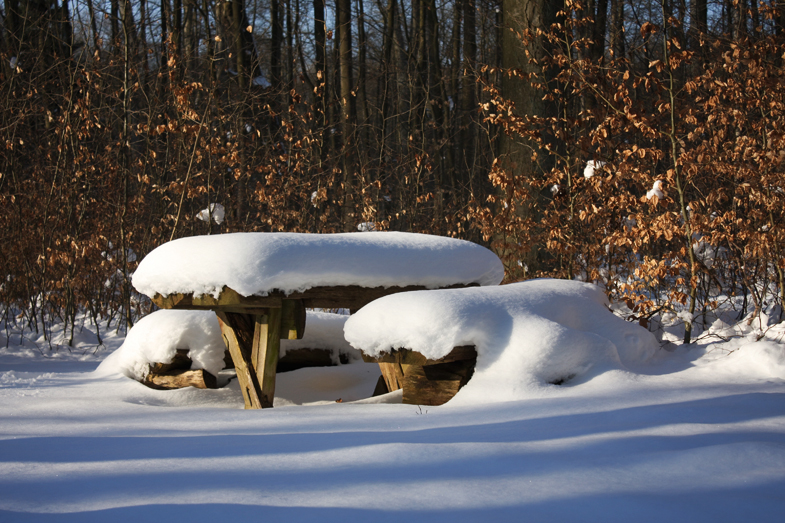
[
  {"x": 178, "y": 374},
  {"x": 425, "y": 381}
]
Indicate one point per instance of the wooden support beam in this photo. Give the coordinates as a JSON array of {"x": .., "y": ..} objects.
[
  {"x": 392, "y": 374},
  {"x": 264, "y": 355},
  {"x": 228, "y": 299},
  {"x": 234, "y": 329},
  {"x": 293, "y": 320},
  {"x": 351, "y": 297}
]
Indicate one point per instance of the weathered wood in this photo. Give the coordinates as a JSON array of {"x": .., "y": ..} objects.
[
  {"x": 392, "y": 374},
  {"x": 234, "y": 329},
  {"x": 293, "y": 319},
  {"x": 301, "y": 358},
  {"x": 425, "y": 381},
  {"x": 178, "y": 379},
  {"x": 229, "y": 299},
  {"x": 435, "y": 384},
  {"x": 252, "y": 329},
  {"x": 264, "y": 355},
  {"x": 410, "y": 357},
  {"x": 351, "y": 297}
]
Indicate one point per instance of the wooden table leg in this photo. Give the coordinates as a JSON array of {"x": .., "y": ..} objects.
[
  {"x": 393, "y": 374},
  {"x": 264, "y": 355},
  {"x": 254, "y": 341},
  {"x": 235, "y": 329}
]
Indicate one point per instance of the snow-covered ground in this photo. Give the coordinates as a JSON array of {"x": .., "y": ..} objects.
[{"x": 696, "y": 434}]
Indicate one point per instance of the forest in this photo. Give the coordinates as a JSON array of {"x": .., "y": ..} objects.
[{"x": 638, "y": 144}]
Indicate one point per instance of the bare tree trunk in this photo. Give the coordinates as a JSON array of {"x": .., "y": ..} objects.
[
  {"x": 617, "y": 28},
  {"x": 598, "y": 30},
  {"x": 210, "y": 44},
  {"x": 468, "y": 134},
  {"x": 388, "y": 44},
  {"x": 189, "y": 36},
  {"x": 348, "y": 108},
  {"x": 519, "y": 156},
  {"x": 698, "y": 21},
  {"x": 320, "y": 39},
  {"x": 362, "y": 65},
  {"x": 276, "y": 44}
]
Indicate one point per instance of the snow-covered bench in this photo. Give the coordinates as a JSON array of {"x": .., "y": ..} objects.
[
  {"x": 172, "y": 349},
  {"x": 523, "y": 337},
  {"x": 259, "y": 284},
  {"x": 425, "y": 381}
]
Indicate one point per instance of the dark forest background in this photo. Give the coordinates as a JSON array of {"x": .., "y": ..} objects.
[{"x": 120, "y": 121}]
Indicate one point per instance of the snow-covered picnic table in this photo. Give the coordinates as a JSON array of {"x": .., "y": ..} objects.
[{"x": 259, "y": 284}]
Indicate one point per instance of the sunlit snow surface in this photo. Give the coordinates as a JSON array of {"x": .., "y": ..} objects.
[
  {"x": 257, "y": 263},
  {"x": 695, "y": 435}
]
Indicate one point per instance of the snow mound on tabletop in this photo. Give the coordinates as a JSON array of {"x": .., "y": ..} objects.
[
  {"x": 157, "y": 336},
  {"x": 528, "y": 335},
  {"x": 257, "y": 263}
]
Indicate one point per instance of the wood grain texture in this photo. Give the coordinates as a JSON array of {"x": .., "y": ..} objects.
[
  {"x": 264, "y": 354},
  {"x": 178, "y": 379},
  {"x": 392, "y": 374},
  {"x": 435, "y": 384},
  {"x": 234, "y": 329},
  {"x": 293, "y": 319}
]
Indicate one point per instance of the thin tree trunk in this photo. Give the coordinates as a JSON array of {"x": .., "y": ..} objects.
[
  {"x": 617, "y": 28},
  {"x": 468, "y": 97},
  {"x": 348, "y": 108}
]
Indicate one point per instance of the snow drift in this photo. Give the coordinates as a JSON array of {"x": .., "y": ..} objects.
[{"x": 528, "y": 335}]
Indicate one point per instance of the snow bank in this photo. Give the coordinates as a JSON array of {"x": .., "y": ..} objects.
[
  {"x": 528, "y": 335},
  {"x": 257, "y": 263},
  {"x": 759, "y": 359},
  {"x": 156, "y": 338}
]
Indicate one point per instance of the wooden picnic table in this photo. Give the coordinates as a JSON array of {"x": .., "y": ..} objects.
[
  {"x": 259, "y": 284},
  {"x": 252, "y": 327}
]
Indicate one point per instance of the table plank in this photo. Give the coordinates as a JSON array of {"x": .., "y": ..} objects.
[{"x": 351, "y": 297}]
